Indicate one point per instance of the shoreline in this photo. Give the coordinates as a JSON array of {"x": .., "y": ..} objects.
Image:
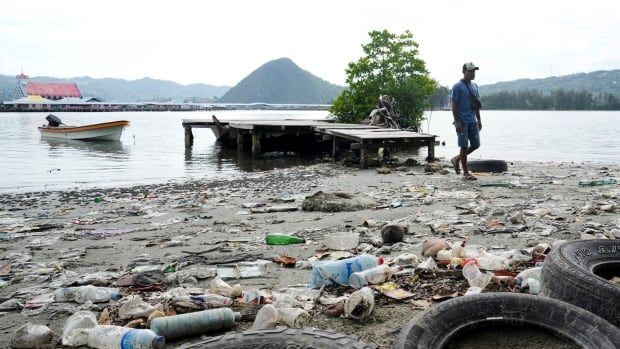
[{"x": 165, "y": 221}]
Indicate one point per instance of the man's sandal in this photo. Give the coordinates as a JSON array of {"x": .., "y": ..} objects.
[
  {"x": 455, "y": 166},
  {"x": 469, "y": 177}
]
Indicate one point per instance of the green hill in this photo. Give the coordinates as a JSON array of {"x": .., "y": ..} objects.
[
  {"x": 281, "y": 81},
  {"x": 602, "y": 81},
  {"x": 119, "y": 90}
]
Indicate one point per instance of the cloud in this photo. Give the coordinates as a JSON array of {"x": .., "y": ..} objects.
[{"x": 221, "y": 42}]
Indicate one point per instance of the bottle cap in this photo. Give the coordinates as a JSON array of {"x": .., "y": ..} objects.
[
  {"x": 380, "y": 260},
  {"x": 158, "y": 342}
]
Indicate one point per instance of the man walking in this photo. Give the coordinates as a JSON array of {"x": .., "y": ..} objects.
[{"x": 466, "y": 111}]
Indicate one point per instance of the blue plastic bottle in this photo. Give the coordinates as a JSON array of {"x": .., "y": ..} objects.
[
  {"x": 117, "y": 337},
  {"x": 328, "y": 273},
  {"x": 136, "y": 339}
]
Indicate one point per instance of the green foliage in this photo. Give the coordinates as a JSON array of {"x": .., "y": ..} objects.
[
  {"x": 602, "y": 81},
  {"x": 555, "y": 100},
  {"x": 391, "y": 66},
  {"x": 281, "y": 81}
]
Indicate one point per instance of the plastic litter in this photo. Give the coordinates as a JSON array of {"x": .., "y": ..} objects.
[
  {"x": 342, "y": 241},
  {"x": 432, "y": 246},
  {"x": 221, "y": 287},
  {"x": 72, "y": 334},
  {"x": 360, "y": 304},
  {"x": 83, "y": 294},
  {"x": 328, "y": 273},
  {"x": 194, "y": 323},
  {"x": 31, "y": 336},
  {"x": 283, "y": 239},
  {"x": 406, "y": 259},
  {"x": 372, "y": 276},
  {"x": 294, "y": 317},
  {"x": 266, "y": 318},
  {"x": 532, "y": 285},
  {"x": 474, "y": 276},
  {"x": 117, "y": 337},
  {"x": 135, "y": 307},
  {"x": 597, "y": 182}
]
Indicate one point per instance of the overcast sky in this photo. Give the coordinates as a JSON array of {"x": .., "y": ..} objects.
[{"x": 221, "y": 42}]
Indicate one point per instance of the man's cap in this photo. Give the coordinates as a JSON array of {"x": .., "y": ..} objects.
[{"x": 469, "y": 66}]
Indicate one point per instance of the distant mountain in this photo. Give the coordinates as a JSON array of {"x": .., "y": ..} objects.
[
  {"x": 602, "y": 81},
  {"x": 282, "y": 82},
  {"x": 119, "y": 90}
]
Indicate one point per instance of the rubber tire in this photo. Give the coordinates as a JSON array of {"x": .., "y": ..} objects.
[
  {"x": 568, "y": 275},
  {"x": 495, "y": 166},
  {"x": 284, "y": 337},
  {"x": 435, "y": 327}
]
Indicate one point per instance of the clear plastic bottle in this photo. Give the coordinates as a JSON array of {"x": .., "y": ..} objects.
[
  {"x": 372, "y": 276},
  {"x": 117, "y": 337},
  {"x": 190, "y": 324},
  {"x": 83, "y": 294},
  {"x": 212, "y": 300},
  {"x": 328, "y": 273}
]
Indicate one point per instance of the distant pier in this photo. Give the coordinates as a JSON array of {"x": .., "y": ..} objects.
[
  {"x": 254, "y": 135},
  {"x": 75, "y": 106}
]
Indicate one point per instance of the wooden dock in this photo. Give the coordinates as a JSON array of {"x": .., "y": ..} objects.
[{"x": 355, "y": 136}]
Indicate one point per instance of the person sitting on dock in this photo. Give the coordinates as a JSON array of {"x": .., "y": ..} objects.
[{"x": 466, "y": 111}]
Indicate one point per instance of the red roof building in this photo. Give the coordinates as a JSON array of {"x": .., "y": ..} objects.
[{"x": 52, "y": 90}]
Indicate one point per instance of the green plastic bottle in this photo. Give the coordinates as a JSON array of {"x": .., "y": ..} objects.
[
  {"x": 597, "y": 182},
  {"x": 283, "y": 239}
]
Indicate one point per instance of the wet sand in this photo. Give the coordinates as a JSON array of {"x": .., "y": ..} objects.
[{"x": 104, "y": 229}]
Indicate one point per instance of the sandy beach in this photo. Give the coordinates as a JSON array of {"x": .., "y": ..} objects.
[{"x": 47, "y": 238}]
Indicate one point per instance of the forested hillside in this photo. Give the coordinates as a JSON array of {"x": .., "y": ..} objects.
[
  {"x": 119, "y": 90},
  {"x": 282, "y": 81}
]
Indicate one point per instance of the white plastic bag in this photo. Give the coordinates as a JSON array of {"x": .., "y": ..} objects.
[{"x": 72, "y": 334}]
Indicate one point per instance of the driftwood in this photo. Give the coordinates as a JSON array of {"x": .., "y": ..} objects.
[{"x": 384, "y": 115}]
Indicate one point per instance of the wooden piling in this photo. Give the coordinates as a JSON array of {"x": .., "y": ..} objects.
[
  {"x": 256, "y": 146},
  {"x": 189, "y": 137}
]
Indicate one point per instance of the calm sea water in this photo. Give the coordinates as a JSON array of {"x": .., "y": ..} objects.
[{"x": 152, "y": 148}]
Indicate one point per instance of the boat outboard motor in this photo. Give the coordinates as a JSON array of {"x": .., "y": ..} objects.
[{"x": 53, "y": 120}]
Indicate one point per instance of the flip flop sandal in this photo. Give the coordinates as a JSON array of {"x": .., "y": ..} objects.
[
  {"x": 455, "y": 165},
  {"x": 469, "y": 177}
]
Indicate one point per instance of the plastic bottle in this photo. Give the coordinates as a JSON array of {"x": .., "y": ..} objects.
[
  {"x": 597, "y": 182},
  {"x": 190, "y": 324},
  {"x": 82, "y": 294},
  {"x": 283, "y": 239},
  {"x": 372, "y": 276},
  {"x": 117, "y": 337},
  {"x": 213, "y": 300},
  {"x": 474, "y": 276},
  {"x": 328, "y": 273}
]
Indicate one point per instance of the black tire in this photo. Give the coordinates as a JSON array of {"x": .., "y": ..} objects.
[
  {"x": 570, "y": 274},
  {"x": 437, "y": 326},
  {"x": 284, "y": 337},
  {"x": 495, "y": 166}
]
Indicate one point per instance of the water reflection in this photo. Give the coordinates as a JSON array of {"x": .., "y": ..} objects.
[
  {"x": 222, "y": 158},
  {"x": 111, "y": 149}
]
